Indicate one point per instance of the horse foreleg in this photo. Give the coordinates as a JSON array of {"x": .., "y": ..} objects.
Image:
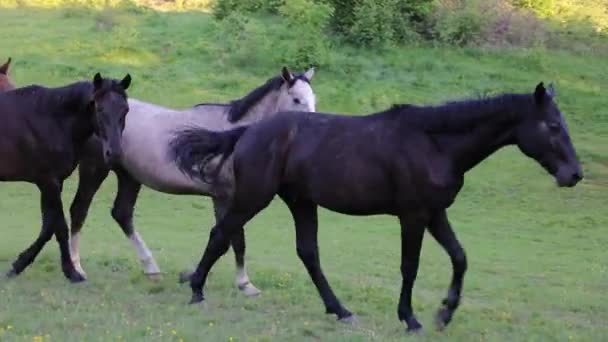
[
  {"x": 90, "y": 176},
  {"x": 122, "y": 212},
  {"x": 53, "y": 221},
  {"x": 411, "y": 243},
  {"x": 441, "y": 230},
  {"x": 242, "y": 281},
  {"x": 305, "y": 217},
  {"x": 26, "y": 257}
]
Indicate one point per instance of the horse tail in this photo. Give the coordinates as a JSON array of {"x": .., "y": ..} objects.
[{"x": 192, "y": 148}]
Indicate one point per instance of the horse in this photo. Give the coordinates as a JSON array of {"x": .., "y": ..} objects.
[
  {"x": 5, "y": 83},
  {"x": 145, "y": 160},
  {"x": 408, "y": 161},
  {"x": 42, "y": 132}
]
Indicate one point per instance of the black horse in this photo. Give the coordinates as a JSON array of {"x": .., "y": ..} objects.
[
  {"x": 408, "y": 161},
  {"x": 42, "y": 133}
]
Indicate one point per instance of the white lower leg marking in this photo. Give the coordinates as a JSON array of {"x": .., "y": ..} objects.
[
  {"x": 244, "y": 284},
  {"x": 75, "y": 253},
  {"x": 144, "y": 254}
]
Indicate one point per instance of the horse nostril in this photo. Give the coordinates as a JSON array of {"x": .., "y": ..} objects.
[{"x": 577, "y": 176}]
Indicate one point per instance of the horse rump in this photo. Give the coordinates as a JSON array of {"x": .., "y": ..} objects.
[{"x": 192, "y": 148}]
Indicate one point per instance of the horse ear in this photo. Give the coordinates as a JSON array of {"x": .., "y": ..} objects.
[
  {"x": 97, "y": 81},
  {"x": 4, "y": 67},
  {"x": 551, "y": 91},
  {"x": 126, "y": 82},
  {"x": 540, "y": 93},
  {"x": 287, "y": 75},
  {"x": 310, "y": 73}
]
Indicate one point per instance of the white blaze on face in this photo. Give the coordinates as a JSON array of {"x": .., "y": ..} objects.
[
  {"x": 302, "y": 96},
  {"x": 299, "y": 96}
]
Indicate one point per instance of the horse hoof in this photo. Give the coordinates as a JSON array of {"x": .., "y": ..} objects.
[
  {"x": 349, "y": 320},
  {"x": 413, "y": 327},
  {"x": 414, "y": 331},
  {"x": 249, "y": 290},
  {"x": 197, "y": 298},
  {"x": 154, "y": 277},
  {"x": 76, "y": 277},
  {"x": 12, "y": 273},
  {"x": 442, "y": 318},
  {"x": 185, "y": 276}
]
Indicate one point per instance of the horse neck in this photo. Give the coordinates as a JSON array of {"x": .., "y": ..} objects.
[
  {"x": 468, "y": 149},
  {"x": 266, "y": 107},
  {"x": 79, "y": 116}
]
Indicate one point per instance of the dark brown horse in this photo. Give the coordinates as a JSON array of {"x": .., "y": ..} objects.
[
  {"x": 5, "y": 83},
  {"x": 408, "y": 161},
  {"x": 42, "y": 133}
]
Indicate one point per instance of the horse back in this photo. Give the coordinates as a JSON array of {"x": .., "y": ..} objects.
[{"x": 353, "y": 165}]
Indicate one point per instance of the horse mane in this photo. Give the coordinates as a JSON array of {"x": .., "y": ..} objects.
[
  {"x": 462, "y": 115},
  {"x": 240, "y": 107},
  {"x": 74, "y": 96}
]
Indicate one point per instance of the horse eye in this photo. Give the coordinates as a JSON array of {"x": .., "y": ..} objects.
[
  {"x": 296, "y": 101},
  {"x": 554, "y": 126}
]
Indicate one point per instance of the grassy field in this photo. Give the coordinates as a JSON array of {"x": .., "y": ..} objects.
[{"x": 538, "y": 261}]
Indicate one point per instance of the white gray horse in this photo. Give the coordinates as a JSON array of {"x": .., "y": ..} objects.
[{"x": 146, "y": 160}]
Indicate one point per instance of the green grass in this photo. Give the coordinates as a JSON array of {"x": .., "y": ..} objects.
[{"x": 538, "y": 262}]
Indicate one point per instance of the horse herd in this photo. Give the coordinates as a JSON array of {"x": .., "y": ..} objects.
[{"x": 408, "y": 161}]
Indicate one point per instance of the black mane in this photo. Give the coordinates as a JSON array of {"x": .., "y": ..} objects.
[
  {"x": 462, "y": 115},
  {"x": 75, "y": 96},
  {"x": 240, "y": 107}
]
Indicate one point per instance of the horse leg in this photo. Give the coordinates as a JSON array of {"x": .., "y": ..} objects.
[
  {"x": 242, "y": 281},
  {"x": 441, "y": 230},
  {"x": 53, "y": 221},
  {"x": 90, "y": 176},
  {"x": 122, "y": 212},
  {"x": 26, "y": 257},
  {"x": 305, "y": 217},
  {"x": 411, "y": 243},
  {"x": 218, "y": 244}
]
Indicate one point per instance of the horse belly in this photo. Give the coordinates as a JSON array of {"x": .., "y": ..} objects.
[
  {"x": 146, "y": 158},
  {"x": 353, "y": 195},
  {"x": 166, "y": 177}
]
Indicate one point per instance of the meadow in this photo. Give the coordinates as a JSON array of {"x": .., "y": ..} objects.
[{"x": 538, "y": 266}]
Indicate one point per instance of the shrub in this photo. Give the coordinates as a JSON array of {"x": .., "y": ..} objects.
[
  {"x": 306, "y": 41},
  {"x": 457, "y": 22},
  {"x": 348, "y": 12},
  {"x": 223, "y": 8},
  {"x": 542, "y": 7},
  {"x": 379, "y": 22},
  {"x": 373, "y": 23},
  {"x": 493, "y": 22}
]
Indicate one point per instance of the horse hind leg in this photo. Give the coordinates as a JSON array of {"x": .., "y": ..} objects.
[
  {"x": 242, "y": 281},
  {"x": 91, "y": 176},
  {"x": 441, "y": 230},
  {"x": 122, "y": 212}
]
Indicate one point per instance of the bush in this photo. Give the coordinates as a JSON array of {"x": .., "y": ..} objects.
[
  {"x": 223, "y": 8},
  {"x": 373, "y": 23},
  {"x": 379, "y": 22},
  {"x": 306, "y": 42},
  {"x": 376, "y": 22},
  {"x": 542, "y": 7},
  {"x": 493, "y": 23}
]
